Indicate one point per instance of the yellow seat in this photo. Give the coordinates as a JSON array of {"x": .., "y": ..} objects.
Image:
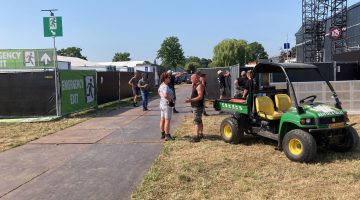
[
  {"x": 282, "y": 102},
  {"x": 265, "y": 108}
]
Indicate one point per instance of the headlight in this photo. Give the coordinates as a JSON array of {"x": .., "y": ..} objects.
[{"x": 307, "y": 121}]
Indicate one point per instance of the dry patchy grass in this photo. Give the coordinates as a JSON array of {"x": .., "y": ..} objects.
[
  {"x": 213, "y": 169},
  {"x": 16, "y": 134}
]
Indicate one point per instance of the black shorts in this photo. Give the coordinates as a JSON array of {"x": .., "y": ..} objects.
[
  {"x": 174, "y": 93},
  {"x": 136, "y": 91}
]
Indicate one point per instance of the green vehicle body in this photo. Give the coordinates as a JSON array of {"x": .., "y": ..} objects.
[
  {"x": 292, "y": 119},
  {"x": 325, "y": 123}
]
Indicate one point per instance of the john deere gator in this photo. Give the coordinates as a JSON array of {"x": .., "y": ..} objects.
[{"x": 299, "y": 127}]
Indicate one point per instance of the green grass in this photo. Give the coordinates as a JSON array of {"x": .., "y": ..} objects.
[{"x": 213, "y": 169}]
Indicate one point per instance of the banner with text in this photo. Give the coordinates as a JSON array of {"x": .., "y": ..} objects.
[
  {"x": 77, "y": 90},
  {"x": 27, "y": 58}
]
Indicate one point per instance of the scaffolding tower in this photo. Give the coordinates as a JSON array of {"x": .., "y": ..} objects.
[
  {"x": 309, "y": 34},
  {"x": 339, "y": 22},
  {"x": 321, "y": 13},
  {"x": 314, "y": 16}
]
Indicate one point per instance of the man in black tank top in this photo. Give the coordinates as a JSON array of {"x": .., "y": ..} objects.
[{"x": 197, "y": 105}]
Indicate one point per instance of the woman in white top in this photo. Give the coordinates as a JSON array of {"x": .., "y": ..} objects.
[{"x": 166, "y": 104}]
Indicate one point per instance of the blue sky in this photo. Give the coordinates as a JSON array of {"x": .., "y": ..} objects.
[{"x": 102, "y": 28}]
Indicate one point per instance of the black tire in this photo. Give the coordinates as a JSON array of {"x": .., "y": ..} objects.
[
  {"x": 299, "y": 146},
  {"x": 349, "y": 143},
  {"x": 230, "y": 131}
]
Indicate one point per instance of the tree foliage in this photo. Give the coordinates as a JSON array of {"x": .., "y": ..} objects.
[
  {"x": 201, "y": 62},
  {"x": 232, "y": 51},
  {"x": 229, "y": 52},
  {"x": 192, "y": 59},
  {"x": 171, "y": 53},
  {"x": 192, "y": 66},
  {"x": 256, "y": 51},
  {"x": 204, "y": 63},
  {"x": 121, "y": 56},
  {"x": 71, "y": 52}
]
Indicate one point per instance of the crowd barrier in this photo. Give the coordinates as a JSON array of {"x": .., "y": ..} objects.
[{"x": 32, "y": 94}]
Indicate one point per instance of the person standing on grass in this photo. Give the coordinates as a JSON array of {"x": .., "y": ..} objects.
[
  {"x": 197, "y": 105},
  {"x": 143, "y": 84},
  {"x": 172, "y": 84},
  {"x": 134, "y": 86},
  {"x": 166, "y": 101},
  {"x": 203, "y": 82},
  {"x": 222, "y": 82}
]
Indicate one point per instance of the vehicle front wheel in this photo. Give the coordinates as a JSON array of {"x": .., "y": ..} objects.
[
  {"x": 230, "y": 131},
  {"x": 299, "y": 146},
  {"x": 349, "y": 142}
]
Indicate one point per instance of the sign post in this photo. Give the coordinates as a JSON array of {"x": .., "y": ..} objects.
[{"x": 53, "y": 28}]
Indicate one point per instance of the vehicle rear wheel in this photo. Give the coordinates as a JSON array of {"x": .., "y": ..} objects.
[
  {"x": 230, "y": 131},
  {"x": 299, "y": 146},
  {"x": 350, "y": 141}
]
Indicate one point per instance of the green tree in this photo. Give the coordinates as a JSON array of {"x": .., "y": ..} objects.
[
  {"x": 229, "y": 52},
  {"x": 192, "y": 59},
  {"x": 204, "y": 63},
  {"x": 121, "y": 56},
  {"x": 71, "y": 52},
  {"x": 192, "y": 66},
  {"x": 171, "y": 53},
  {"x": 256, "y": 51}
]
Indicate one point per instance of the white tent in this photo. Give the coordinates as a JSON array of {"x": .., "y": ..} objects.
[
  {"x": 123, "y": 63},
  {"x": 78, "y": 62}
]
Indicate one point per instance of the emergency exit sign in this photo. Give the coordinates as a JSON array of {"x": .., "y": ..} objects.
[{"x": 53, "y": 26}]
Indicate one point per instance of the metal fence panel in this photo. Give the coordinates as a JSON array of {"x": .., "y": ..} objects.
[
  {"x": 348, "y": 92},
  {"x": 212, "y": 82}
]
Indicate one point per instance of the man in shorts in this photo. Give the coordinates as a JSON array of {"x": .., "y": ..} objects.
[
  {"x": 197, "y": 104},
  {"x": 134, "y": 86}
]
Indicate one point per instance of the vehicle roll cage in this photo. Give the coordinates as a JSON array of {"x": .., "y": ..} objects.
[{"x": 269, "y": 67}]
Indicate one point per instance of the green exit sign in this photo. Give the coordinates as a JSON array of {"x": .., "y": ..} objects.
[{"x": 53, "y": 26}]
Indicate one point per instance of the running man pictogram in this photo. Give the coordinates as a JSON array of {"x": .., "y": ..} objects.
[{"x": 29, "y": 59}]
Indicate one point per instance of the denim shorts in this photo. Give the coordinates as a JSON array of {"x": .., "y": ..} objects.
[
  {"x": 197, "y": 112},
  {"x": 165, "y": 111}
]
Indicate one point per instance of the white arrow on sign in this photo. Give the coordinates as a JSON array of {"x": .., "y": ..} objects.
[
  {"x": 45, "y": 58},
  {"x": 53, "y": 32}
]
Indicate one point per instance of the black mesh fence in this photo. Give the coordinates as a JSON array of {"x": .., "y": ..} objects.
[
  {"x": 108, "y": 87},
  {"x": 27, "y": 94}
]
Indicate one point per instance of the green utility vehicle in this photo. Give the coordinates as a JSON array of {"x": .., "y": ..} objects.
[{"x": 298, "y": 127}]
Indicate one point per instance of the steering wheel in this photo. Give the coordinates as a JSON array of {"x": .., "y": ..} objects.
[{"x": 310, "y": 98}]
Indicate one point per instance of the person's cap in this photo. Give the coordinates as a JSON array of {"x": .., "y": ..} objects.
[
  {"x": 219, "y": 72},
  {"x": 169, "y": 72}
]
